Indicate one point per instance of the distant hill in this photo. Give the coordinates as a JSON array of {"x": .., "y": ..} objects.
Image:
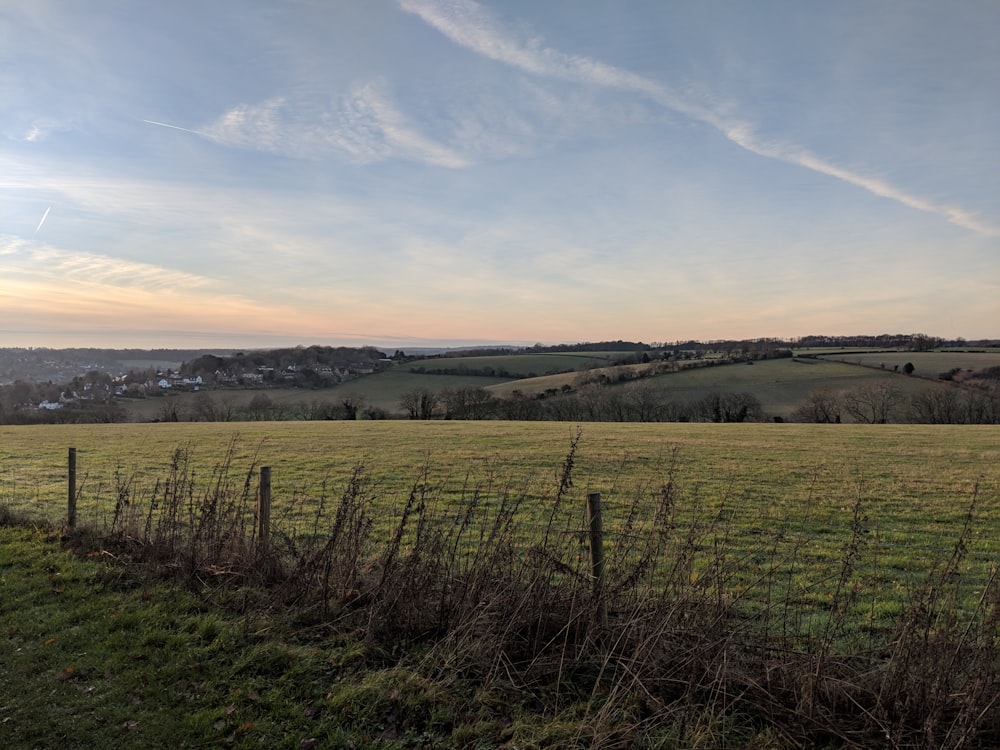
[
  {"x": 40, "y": 364},
  {"x": 716, "y": 381}
]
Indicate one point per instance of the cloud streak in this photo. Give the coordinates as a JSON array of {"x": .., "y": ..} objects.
[
  {"x": 363, "y": 125},
  {"x": 44, "y": 217},
  {"x": 471, "y": 26},
  {"x": 176, "y": 127},
  {"x": 93, "y": 269}
]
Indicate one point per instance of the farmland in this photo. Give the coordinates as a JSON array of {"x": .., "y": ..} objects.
[
  {"x": 915, "y": 481},
  {"x": 777, "y": 549},
  {"x": 952, "y": 386},
  {"x": 926, "y": 364},
  {"x": 780, "y": 385},
  {"x": 427, "y": 582}
]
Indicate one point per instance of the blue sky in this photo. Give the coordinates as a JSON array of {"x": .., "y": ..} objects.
[{"x": 251, "y": 173}]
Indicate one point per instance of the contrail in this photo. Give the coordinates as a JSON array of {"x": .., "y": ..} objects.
[
  {"x": 44, "y": 217},
  {"x": 470, "y": 25},
  {"x": 175, "y": 127}
]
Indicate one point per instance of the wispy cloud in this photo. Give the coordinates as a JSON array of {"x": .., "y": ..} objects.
[
  {"x": 470, "y": 25},
  {"x": 71, "y": 290},
  {"x": 363, "y": 125},
  {"x": 92, "y": 269},
  {"x": 41, "y": 128}
]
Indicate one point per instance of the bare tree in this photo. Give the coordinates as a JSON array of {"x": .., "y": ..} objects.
[
  {"x": 645, "y": 403},
  {"x": 468, "y": 403},
  {"x": 729, "y": 407},
  {"x": 351, "y": 404},
  {"x": 419, "y": 403},
  {"x": 822, "y": 406},
  {"x": 952, "y": 406},
  {"x": 871, "y": 403},
  {"x": 937, "y": 406},
  {"x": 261, "y": 408}
]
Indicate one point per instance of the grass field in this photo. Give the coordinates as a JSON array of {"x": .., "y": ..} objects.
[
  {"x": 523, "y": 365},
  {"x": 795, "y": 556},
  {"x": 926, "y": 364},
  {"x": 382, "y": 390},
  {"x": 781, "y": 385},
  {"x": 915, "y": 482}
]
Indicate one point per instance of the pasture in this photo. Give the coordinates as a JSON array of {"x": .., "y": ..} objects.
[
  {"x": 519, "y": 365},
  {"x": 926, "y": 364},
  {"x": 763, "y": 579},
  {"x": 772, "y": 458},
  {"x": 914, "y": 483},
  {"x": 780, "y": 385},
  {"x": 382, "y": 390}
]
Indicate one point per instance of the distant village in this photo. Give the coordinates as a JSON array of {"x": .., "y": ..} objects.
[{"x": 105, "y": 379}]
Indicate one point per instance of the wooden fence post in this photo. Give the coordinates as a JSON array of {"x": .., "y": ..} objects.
[
  {"x": 71, "y": 490},
  {"x": 596, "y": 524},
  {"x": 264, "y": 507}
]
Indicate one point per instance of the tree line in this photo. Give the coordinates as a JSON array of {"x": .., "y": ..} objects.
[{"x": 641, "y": 401}]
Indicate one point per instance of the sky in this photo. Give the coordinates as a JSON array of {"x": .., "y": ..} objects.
[{"x": 254, "y": 173}]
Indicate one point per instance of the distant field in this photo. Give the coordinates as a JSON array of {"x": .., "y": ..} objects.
[
  {"x": 150, "y": 364},
  {"x": 780, "y": 385},
  {"x": 382, "y": 389},
  {"x": 915, "y": 479},
  {"x": 926, "y": 364},
  {"x": 522, "y": 364}
]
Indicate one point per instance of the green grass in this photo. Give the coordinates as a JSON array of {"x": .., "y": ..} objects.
[
  {"x": 544, "y": 383},
  {"x": 926, "y": 364},
  {"x": 733, "y": 458},
  {"x": 814, "y": 537},
  {"x": 781, "y": 385},
  {"x": 524, "y": 364},
  {"x": 914, "y": 482},
  {"x": 97, "y": 655},
  {"x": 384, "y": 389},
  {"x": 94, "y": 657}
]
